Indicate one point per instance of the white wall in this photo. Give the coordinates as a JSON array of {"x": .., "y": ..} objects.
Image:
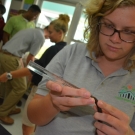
[{"x": 7, "y": 4}]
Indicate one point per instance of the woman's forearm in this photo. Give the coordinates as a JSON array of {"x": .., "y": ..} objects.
[
  {"x": 41, "y": 110},
  {"x": 131, "y": 132}
]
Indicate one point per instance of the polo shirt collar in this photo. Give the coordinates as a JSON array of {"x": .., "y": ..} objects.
[
  {"x": 95, "y": 64},
  {"x": 23, "y": 18},
  {"x": 88, "y": 54}
]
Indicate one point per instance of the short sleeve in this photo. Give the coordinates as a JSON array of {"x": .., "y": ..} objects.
[
  {"x": 9, "y": 25},
  {"x": 37, "y": 43}
]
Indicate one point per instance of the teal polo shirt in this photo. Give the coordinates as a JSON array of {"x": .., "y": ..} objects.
[
  {"x": 17, "y": 23},
  {"x": 74, "y": 64}
]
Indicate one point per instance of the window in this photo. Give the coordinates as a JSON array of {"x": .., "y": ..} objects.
[
  {"x": 79, "y": 34},
  {"x": 7, "y": 5},
  {"x": 51, "y": 10}
]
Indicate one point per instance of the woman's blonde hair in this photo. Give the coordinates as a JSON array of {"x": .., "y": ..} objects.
[
  {"x": 95, "y": 10},
  {"x": 61, "y": 24}
]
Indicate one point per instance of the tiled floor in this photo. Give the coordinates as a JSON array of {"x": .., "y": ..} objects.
[{"x": 16, "y": 128}]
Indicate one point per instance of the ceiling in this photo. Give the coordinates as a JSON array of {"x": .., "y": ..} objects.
[{"x": 72, "y": 2}]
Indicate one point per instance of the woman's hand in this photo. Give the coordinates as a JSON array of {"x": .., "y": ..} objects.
[
  {"x": 115, "y": 122},
  {"x": 3, "y": 78},
  {"x": 64, "y": 98}
]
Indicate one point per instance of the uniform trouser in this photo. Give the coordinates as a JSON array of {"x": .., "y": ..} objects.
[
  {"x": 2, "y": 86},
  {"x": 3, "y": 91},
  {"x": 25, "y": 119},
  {"x": 14, "y": 88}
]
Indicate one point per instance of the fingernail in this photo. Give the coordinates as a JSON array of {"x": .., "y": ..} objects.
[
  {"x": 86, "y": 94},
  {"x": 91, "y": 101},
  {"x": 57, "y": 88},
  {"x": 100, "y": 102}
]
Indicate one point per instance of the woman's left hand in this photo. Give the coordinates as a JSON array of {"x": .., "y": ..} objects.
[
  {"x": 3, "y": 77},
  {"x": 114, "y": 121}
]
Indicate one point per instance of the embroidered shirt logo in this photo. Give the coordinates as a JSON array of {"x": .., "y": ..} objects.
[{"x": 127, "y": 93}]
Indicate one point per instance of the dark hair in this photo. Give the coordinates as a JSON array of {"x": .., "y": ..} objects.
[
  {"x": 2, "y": 9},
  {"x": 21, "y": 11},
  {"x": 34, "y": 8},
  {"x": 46, "y": 28}
]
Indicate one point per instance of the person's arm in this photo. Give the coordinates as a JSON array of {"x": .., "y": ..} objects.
[
  {"x": 30, "y": 57},
  {"x": 42, "y": 109},
  {"x": 8, "y": 29},
  {"x": 117, "y": 122},
  {"x": 5, "y": 37},
  {"x": 41, "y": 105},
  {"x": 16, "y": 74}
]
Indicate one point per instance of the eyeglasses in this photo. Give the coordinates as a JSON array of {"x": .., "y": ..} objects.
[{"x": 125, "y": 35}]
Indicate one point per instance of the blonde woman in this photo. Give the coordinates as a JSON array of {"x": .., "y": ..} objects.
[{"x": 103, "y": 68}]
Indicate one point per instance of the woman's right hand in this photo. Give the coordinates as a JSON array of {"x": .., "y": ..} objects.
[
  {"x": 114, "y": 121},
  {"x": 64, "y": 98},
  {"x": 3, "y": 77}
]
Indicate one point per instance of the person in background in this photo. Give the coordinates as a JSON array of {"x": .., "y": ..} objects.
[
  {"x": 103, "y": 68},
  {"x": 57, "y": 31},
  {"x": 2, "y": 22},
  {"x": 29, "y": 40},
  {"x": 20, "y": 22}
]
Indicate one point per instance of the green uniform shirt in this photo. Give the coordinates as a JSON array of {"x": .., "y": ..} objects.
[{"x": 17, "y": 23}]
